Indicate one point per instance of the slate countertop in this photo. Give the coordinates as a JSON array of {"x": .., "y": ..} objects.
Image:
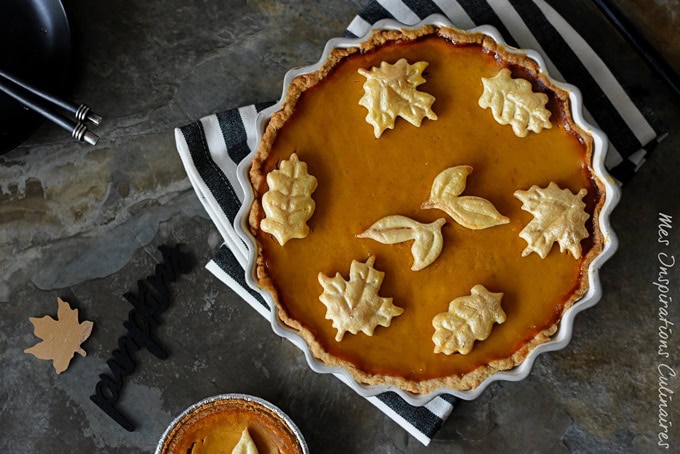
[{"x": 83, "y": 223}]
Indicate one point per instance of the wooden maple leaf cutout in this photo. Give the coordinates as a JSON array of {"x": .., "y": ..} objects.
[
  {"x": 354, "y": 305},
  {"x": 61, "y": 338},
  {"x": 288, "y": 203},
  {"x": 469, "y": 318},
  {"x": 390, "y": 91},
  {"x": 513, "y": 102},
  {"x": 427, "y": 238},
  {"x": 471, "y": 212},
  {"x": 559, "y": 216}
]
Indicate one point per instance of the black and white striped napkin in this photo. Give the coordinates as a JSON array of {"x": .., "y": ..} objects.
[{"x": 212, "y": 147}]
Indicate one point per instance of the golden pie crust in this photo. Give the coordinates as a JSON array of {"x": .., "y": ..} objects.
[{"x": 353, "y": 168}]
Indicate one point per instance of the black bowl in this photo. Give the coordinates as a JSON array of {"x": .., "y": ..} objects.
[{"x": 35, "y": 46}]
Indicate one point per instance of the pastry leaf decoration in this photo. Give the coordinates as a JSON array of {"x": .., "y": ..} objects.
[
  {"x": 354, "y": 305},
  {"x": 513, "y": 102},
  {"x": 390, "y": 91},
  {"x": 288, "y": 203},
  {"x": 469, "y": 318},
  {"x": 559, "y": 216},
  {"x": 61, "y": 338},
  {"x": 245, "y": 444},
  {"x": 471, "y": 212},
  {"x": 427, "y": 238}
]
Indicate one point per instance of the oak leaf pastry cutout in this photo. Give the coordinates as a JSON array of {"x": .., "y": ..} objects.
[
  {"x": 61, "y": 338},
  {"x": 469, "y": 318},
  {"x": 355, "y": 305},
  {"x": 245, "y": 445},
  {"x": 427, "y": 238},
  {"x": 288, "y": 203},
  {"x": 559, "y": 216},
  {"x": 390, "y": 91},
  {"x": 471, "y": 212},
  {"x": 513, "y": 102}
]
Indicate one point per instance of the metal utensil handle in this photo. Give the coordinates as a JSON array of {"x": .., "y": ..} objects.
[
  {"x": 78, "y": 130},
  {"x": 81, "y": 112}
]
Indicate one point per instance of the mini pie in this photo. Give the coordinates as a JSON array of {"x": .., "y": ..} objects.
[
  {"x": 231, "y": 425},
  {"x": 490, "y": 176}
]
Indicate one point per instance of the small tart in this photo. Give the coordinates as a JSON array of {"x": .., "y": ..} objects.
[
  {"x": 219, "y": 426},
  {"x": 362, "y": 179}
]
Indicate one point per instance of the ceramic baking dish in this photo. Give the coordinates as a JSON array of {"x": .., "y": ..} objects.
[{"x": 558, "y": 341}]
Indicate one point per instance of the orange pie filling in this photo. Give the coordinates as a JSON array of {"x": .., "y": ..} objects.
[{"x": 362, "y": 179}]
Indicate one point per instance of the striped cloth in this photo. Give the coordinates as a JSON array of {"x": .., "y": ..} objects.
[{"x": 212, "y": 147}]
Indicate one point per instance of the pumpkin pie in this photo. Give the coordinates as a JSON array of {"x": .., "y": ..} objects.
[
  {"x": 445, "y": 215},
  {"x": 232, "y": 424}
]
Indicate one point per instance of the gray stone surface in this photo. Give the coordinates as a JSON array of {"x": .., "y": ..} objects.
[{"x": 83, "y": 223}]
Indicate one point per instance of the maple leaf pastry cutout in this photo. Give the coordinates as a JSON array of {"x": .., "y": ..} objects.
[
  {"x": 390, "y": 91},
  {"x": 513, "y": 102},
  {"x": 288, "y": 203},
  {"x": 61, "y": 338},
  {"x": 468, "y": 319},
  {"x": 355, "y": 305},
  {"x": 559, "y": 216}
]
